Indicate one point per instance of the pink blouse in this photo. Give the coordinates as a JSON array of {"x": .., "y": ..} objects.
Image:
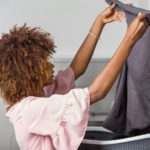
[{"x": 56, "y": 121}]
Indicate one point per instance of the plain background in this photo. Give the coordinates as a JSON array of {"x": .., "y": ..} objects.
[{"x": 69, "y": 22}]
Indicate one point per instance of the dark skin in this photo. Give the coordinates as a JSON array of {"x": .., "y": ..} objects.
[
  {"x": 104, "y": 80},
  {"x": 87, "y": 48},
  {"x": 101, "y": 85},
  {"x": 85, "y": 52}
]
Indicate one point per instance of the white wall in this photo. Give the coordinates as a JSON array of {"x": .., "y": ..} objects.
[
  {"x": 68, "y": 20},
  {"x": 139, "y": 3},
  {"x": 145, "y": 4}
]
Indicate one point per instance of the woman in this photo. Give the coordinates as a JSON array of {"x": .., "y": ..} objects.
[{"x": 48, "y": 113}]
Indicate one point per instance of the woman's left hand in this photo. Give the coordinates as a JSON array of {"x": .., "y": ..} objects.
[{"x": 110, "y": 15}]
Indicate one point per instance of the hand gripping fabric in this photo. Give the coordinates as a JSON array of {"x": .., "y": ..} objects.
[{"x": 130, "y": 114}]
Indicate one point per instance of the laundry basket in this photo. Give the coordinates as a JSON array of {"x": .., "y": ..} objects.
[{"x": 98, "y": 138}]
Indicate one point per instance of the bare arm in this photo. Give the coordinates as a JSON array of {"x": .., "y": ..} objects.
[
  {"x": 104, "y": 81},
  {"x": 85, "y": 52}
]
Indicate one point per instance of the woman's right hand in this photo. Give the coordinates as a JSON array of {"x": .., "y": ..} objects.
[
  {"x": 137, "y": 28},
  {"x": 104, "y": 80}
]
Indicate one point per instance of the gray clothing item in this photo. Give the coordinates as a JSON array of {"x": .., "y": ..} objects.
[{"x": 130, "y": 114}]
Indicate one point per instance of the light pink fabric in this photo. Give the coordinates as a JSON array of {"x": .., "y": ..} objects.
[
  {"x": 64, "y": 81},
  {"x": 55, "y": 122}
]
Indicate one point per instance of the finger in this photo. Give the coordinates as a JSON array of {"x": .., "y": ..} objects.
[
  {"x": 142, "y": 16},
  {"x": 121, "y": 15},
  {"x": 143, "y": 26},
  {"x": 110, "y": 20},
  {"x": 112, "y": 6},
  {"x": 115, "y": 17},
  {"x": 120, "y": 18}
]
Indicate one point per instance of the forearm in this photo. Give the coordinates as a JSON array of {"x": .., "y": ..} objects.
[
  {"x": 85, "y": 52},
  {"x": 104, "y": 81}
]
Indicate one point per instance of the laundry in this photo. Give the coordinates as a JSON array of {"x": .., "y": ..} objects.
[{"x": 130, "y": 114}]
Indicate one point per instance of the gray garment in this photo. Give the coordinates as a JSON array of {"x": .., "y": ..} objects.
[{"x": 130, "y": 114}]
